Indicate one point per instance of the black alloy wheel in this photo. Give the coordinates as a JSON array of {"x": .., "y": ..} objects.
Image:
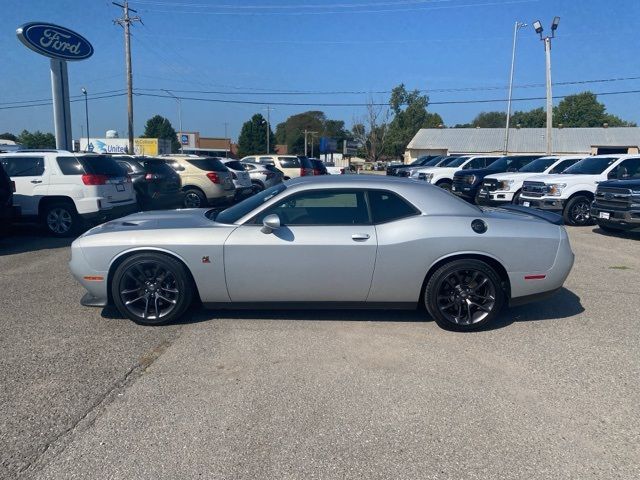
[
  {"x": 464, "y": 295},
  {"x": 152, "y": 289},
  {"x": 577, "y": 212},
  {"x": 445, "y": 186},
  {"x": 194, "y": 199}
]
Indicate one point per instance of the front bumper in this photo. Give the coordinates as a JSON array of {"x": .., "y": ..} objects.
[
  {"x": 622, "y": 219},
  {"x": 549, "y": 204},
  {"x": 94, "y": 282},
  {"x": 111, "y": 213},
  {"x": 495, "y": 198},
  {"x": 467, "y": 193}
]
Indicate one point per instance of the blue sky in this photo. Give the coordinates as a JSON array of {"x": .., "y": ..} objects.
[{"x": 250, "y": 47}]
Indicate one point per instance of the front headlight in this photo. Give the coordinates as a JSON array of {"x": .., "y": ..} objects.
[
  {"x": 427, "y": 177},
  {"x": 555, "y": 189},
  {"x": 505, "y": 185},
  {"x": 470, "y": 179}
]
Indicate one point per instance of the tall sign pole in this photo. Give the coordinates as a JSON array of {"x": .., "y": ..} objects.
[
  {"x": 126, "y": 22},
  {"x": 61, "y": 45},
  {"x": 537, "y": 25}
]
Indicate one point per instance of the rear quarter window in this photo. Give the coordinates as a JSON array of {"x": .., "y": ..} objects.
[
  {"x": 388, "y": 207},
  {"x": 208, "y": 164},
  {"x": 235, "y": 165},
  {"x": 291, "y": 162},
  {"x": 70, "y": 166}
]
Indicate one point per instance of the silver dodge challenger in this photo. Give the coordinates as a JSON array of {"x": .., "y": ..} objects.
[{"x": 327, "y": 242}]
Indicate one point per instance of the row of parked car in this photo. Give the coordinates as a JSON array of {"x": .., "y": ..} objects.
[
  {"x": 602, "y": 189},
  {"x": 64, "y": 190}
]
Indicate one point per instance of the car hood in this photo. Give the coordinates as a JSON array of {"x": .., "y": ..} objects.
[
  {"x": 514, "y": 176},
  {"x": 157, "y": 220},
  {"x": 479, "y": 172},
  {"x": 632, "y": 184},
  {"x": 562, "y": 178}
]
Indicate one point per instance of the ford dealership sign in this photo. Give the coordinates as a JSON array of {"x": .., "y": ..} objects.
[{"x": 54, "y": 41}]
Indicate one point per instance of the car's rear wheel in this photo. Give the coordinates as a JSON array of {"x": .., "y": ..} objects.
[
  {"x": 577, "y": 212},
  {"x": 152, "y": 289},
  {"x": 61, "y": 219},
  {"x": 464, "y": 295},
  {"x": 194, "y": 198}
]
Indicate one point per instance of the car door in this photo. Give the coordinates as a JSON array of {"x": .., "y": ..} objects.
[
  {"x": 29, "y": 175},
  {"x": 324, "y": 251}
]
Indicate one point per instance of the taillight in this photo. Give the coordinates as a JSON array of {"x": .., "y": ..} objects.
[
  {"x": 150, "y": 177},
  {"x": 214, "y": 177},
  {"x": 13, "y": 186},
  {"x": 306, "y": 172},
  {"x": 91, "y": 179},
  {"x": 317, "y": 171}
]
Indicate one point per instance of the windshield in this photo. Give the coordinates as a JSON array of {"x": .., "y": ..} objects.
[
  {"x": 234, "y": 165},
  {"x": 433, "y": 162},
  {"x": 590, "y": 166},
  {"x": 449, "y": 161},
  {"x": 539, "y": 166},
  {"x": 235, "y": 213},
  {"x": 419, "y": 161}
]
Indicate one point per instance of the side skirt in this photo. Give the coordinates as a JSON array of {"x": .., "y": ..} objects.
[{"x": 310, "y": 305}]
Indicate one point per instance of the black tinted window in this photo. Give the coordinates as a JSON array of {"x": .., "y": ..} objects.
[
  {"x": 208, "y": 164},
  {"x": 627, "y": 170},
  {"x": 321, "y": 207},
  {"x": 289, "y": 162},
  {"x": 235, "y": 165},
  {"x": 153, "y": 166},
  {"x": 101, "y": 165},
  {"x": 23, "y": 166},
  {"x": 387, "y": 207},
  {"x": 126, "y": 166},
  {"x": 562, "y": 166},
  {"x": 70, "y": 166}
]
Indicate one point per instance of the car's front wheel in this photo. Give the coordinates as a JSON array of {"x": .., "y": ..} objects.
[
  {"x": 577, "y": 212},
  {"x": 152, "y": 288},
  {"x": 464, "y": 295},
  {"x": 445, "y": 185}
]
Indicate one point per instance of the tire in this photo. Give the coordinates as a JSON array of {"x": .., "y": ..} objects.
[
  {"x": 445, "y": 185},
  {"x": 194, "y": 198},
  {"x": 609, "y": 229},
  {"x": 451, "y": 290},
  {"x": 257, "y": 186},
  {"x": 152, "y": 289},
  {"x": 577, "y": 211},
  {"x": 61, "y": 219},
  {"x": 516, "y": 198}
]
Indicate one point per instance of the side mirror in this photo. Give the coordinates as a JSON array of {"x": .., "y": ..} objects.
[{"x": 270, "y": 223}]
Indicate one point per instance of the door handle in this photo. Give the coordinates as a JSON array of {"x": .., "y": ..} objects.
[
  {"x": 360, "y": 237},
  {"x": 36, "y": 181}
]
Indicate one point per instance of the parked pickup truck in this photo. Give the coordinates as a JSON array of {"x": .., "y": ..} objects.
[
  {"x": 572, "y": 191},
  {"x": 443, "y": 176},
  {"x": 617, "y": 204},
  {"x": 505, "y": 188}
]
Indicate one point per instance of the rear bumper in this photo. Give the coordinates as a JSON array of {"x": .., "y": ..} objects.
[
  {"x": 552, "y": 205},
  {"x": 622, "y": 219},
  {"x": 111, "y": 213}
]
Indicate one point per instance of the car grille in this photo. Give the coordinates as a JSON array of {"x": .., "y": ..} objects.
[
  {"x": 459, "y": 183},
  {"x": 404, "y": 173},
  {"x": 616, "y": 198},
  {"x": 534, "y": 189},
  {"x": 490, "y": 184}
]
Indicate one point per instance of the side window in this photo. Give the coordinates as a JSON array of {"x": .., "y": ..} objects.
[
  {"x": 562, "y": 166},
  {"x": 387, "y": 207},
  {"x": 70, "y": 166},
  {"x": 267, "y": 160},
  {"x": 23, "y": 166},
  {"x": 289, "y": 162},
  {"x": 249, "y": 159},
  {"x": 627, "y": 170},
  {"x": 475, "y": 163},
  {"x": 321, "y": 207}
]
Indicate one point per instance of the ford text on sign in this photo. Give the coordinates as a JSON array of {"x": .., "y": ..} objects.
[{"x": 54, "y": 41}]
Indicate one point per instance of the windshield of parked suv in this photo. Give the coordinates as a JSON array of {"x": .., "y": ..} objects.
[
  {"x": 209, "y": 164},
  {"x": 590, "y": 166},
  {"x": 235, "y": 213},
  {"x": 101, "y": 165},
  {"x": 539, "y": 165}
]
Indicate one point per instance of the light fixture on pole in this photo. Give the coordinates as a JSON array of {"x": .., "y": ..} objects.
[
  {"x": 537, "y": 25},
  {"x": 516, "y": 28},
  {"x": 179, "y": 116},
  {"x": 86, "y": 112}
]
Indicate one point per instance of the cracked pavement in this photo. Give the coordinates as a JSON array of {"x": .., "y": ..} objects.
[{"x": 550, "y": 392}]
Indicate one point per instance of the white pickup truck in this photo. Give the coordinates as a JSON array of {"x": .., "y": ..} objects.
[
  {"x": 571, "y": 193},
  {"x": 504, "y": 188},
  {"x": 443, "y": 176}
]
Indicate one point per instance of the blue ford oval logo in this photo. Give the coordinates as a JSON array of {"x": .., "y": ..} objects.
[{"x": 54, "y": 41}]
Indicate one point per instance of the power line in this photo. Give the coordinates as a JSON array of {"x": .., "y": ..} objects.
[
  {"x": 91, "y": 96},
  {"x": 289, "y": 6},
  {"x": 49, "y": 102}
]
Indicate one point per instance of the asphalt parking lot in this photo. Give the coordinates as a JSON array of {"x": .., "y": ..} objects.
[{"x": 551, "y": 391}]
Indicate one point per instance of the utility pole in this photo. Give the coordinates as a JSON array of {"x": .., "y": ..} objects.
[
  {"x": 268, "y": 109},
  {"x": 516, "y": 28},
  {"x": 226, "y": 148},
  {"x": 125, "y": 21},
  {"x": 547, "y": 50},
  {"x": 307, "y": 132},
  {"x": 179, "y": 116}
]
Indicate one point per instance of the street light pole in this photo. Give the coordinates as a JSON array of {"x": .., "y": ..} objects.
[
  {"x": 179, "y": 117},
  {"x": 547, "y": 50},
  {"x": 516, "y": 28},
  {"x": 86, "y": 112},
  {"x": 268, "y": 109}
]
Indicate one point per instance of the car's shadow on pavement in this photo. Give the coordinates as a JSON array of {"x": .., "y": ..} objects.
[
  {"x": 30, "y": 238},
  {"x": 563, "y": 305},
  {"x": 620, "y": 234}
]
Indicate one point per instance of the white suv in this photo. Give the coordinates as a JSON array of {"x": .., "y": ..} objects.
[
  {"x": 503, "y": 188},
  {"x": 290, "y": 165},
  {"x": 443, "y": 176},
  {"x": 63, "y": 190},
  {"x": 572, "y": 191}
]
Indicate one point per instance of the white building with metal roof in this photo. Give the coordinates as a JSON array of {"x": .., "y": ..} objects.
[{"x": 566, "y": 141}]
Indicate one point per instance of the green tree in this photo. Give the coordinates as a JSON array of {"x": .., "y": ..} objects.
[
  {"x": 160, "y": 127},
  {"x": 536, "y": 118},
  {"x": 584, "y": 110},
  {"x": 291, "y": 131},
  {"x": 253, "y": 137},
  {"x": 490, "y": 120},
  {"x": 408, "y": 120},
  {"x": 36, "y": 139},
  {"x": 8, "y": 136}
]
